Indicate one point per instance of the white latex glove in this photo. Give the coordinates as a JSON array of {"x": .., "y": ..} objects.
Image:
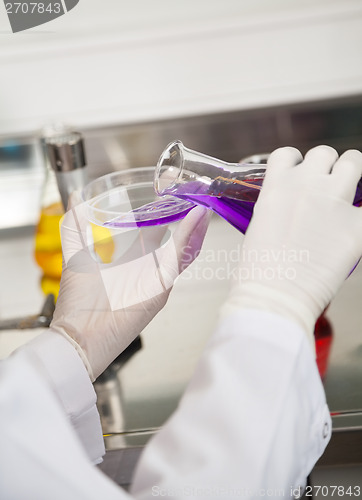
[
  {"x": 304, "y": 237},
  {"x": 102, "y": 308}
]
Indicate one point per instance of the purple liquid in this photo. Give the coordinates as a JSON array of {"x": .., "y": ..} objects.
[
  {"x": 152, "y": 214},
  {"x": 150, "y": 222},
  {"x": 221, "y": 197},
  {"x": 358, "y": 196},
  {"x": 237, "y": 213}
]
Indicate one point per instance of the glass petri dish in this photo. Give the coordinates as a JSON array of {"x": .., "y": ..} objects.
[{"x": 127, "y": 199}]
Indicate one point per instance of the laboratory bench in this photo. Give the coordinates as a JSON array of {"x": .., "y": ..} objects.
[{"x": 142, "y": 387}]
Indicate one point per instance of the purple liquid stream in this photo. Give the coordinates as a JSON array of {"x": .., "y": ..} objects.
[
  {"x": 152, "y": 214},
  {"x": 165, "y": 219}
]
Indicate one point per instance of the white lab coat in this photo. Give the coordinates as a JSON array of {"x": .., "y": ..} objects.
[{"x": 252, "y": 422}]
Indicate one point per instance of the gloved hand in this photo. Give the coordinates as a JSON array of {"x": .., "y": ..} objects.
[
  {"x": 304, "y": 237},
  {"x": 102, "y": 308}
]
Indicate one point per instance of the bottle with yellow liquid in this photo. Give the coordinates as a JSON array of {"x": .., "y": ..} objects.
[
  {"x": 48, "y": 248},
  {"x": 65, "y": 172}
]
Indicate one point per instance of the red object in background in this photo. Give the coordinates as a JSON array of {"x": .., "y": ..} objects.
[{"x": 323, "y": 334}]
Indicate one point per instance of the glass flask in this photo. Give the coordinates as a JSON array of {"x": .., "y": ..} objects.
[
  {"x": 64, "y": 160},
  {"x": 48, "y": 248},
  {"x": 229, "y": 189}
]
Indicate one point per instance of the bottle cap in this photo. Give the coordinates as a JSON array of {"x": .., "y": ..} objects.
[{"x": 65, "y": 151}]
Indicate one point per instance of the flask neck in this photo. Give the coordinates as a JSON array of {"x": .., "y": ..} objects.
[
  {"x": 66, "y": 156},
  {"x": 70, "y": 181}
]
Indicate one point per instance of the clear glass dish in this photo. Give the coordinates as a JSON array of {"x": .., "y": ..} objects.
[{"x": 127, "y": 199}]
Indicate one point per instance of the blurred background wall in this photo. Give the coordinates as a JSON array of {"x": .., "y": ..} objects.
[{"x": 229, "y": 78}]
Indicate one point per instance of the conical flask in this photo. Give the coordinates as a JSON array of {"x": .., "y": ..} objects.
[
  {"x": 48, "y": 249},
  {"x": 64, "y": 159},
  {"x": 229, "y": 189}
]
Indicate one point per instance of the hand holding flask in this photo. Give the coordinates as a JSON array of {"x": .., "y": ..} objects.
[{"x": 305, "y": 236}]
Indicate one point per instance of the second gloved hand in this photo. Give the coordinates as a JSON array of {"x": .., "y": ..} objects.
[
  {"x": 304, "y": 238},
  {"x": 102, "y": 308}
]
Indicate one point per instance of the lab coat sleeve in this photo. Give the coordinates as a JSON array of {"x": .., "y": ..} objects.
[
  {"x": 62, "y": 368},
  {"x": 41, "y": 410},
  {"x": 252, "y": 422}
]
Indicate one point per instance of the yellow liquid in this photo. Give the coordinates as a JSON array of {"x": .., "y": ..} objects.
[
  {"x": 103, "y": 243},
  {"x": 48, "y": 248}
]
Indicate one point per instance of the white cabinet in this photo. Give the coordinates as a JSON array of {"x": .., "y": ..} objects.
[{"x": 115, "y": 62}]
